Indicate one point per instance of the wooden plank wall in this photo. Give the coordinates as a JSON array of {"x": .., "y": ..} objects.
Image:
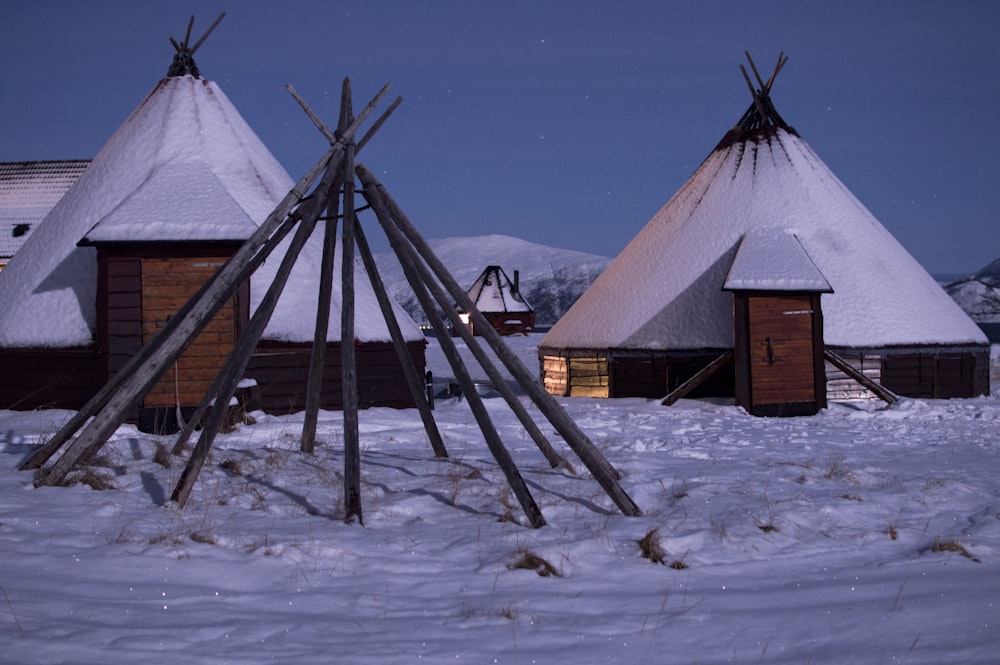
[
  {"x": 649, "y": 375},
  {"x": 119, "y": 324},
  {"x": 644, "y": 376},
  {"x": 167, "y": 284},
  {"x": 281, "y": 371},
  {"x": 937, "y": 375},
  {"x": 555, "y": 374},
  {"x": 588, "y": 377},
  {"x": 50, "y": 378}
]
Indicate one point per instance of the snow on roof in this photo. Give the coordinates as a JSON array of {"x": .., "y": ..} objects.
[
  {"x": 28, "y": 191},
  {"x": 183, "y": 166},
  {"x": 771, "y": 259},
  {"x": 493, "y": 292},
  {"x": 166, "y": 207},
  {"x": 664, "y": 290}
]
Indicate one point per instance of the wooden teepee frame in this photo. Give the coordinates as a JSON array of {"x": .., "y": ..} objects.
[{"x": 434, "y": 287}]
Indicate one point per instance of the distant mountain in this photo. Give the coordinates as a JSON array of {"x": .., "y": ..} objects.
[
  {"x": 550, "y": 279},
  {"x": 979, "y": 294}
]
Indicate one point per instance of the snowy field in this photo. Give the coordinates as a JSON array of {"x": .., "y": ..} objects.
[{"x": 861, "y": 535}]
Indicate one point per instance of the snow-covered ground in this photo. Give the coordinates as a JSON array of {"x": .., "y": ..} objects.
[{"x": 861, "y": 535}]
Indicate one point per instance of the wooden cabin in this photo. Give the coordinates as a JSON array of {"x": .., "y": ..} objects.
[
  {"x": 658, "y": 316},
  {"x": 138, "y": 235},
  {"x": 499, "y": 300}
]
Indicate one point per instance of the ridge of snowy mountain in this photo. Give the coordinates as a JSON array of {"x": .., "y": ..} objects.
[
  {"x": 551, "y": 279},
  {"x": 979, "y": 294}
]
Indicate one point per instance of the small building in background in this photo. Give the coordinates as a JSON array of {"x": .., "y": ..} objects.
[{"x": 499, "y": 300}]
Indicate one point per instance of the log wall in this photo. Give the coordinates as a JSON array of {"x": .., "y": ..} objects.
[
  {"x": 50, "y": 378},
  {"x": 281, "y": 371}
]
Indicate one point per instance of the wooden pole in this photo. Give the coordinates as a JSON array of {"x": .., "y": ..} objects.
[
  {"x": 409, "y": 262},
  {"x": 592, "y": 458},
  {"x": 206, "y": 401},
  {"x": 317, "y": 360},
  {"x": 239, "y": 358},
  {"x": 498, "y": 381},
  {"x": 850, "y": 370},
  {"x": 348, "y": 357},
  {"x": 413, "y": 379},
  {"x": 700, "y": 377}
]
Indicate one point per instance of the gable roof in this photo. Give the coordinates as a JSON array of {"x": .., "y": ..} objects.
[
  {"x": 772, "y": 259},
  {"x": 664, "y": 291},
  {"x": 493, "y": 292},
  {"x": 183, "y": 166},
  {"x": 28, "y": 191}
]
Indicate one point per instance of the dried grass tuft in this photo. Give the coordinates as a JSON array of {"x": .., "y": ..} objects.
[
  {"x": 650, "y": 548},
  {"x": 91, "y": 478},
  {"x": 161, "y": 456},
  {"x": 528, "y": 560},
  {"x": 952, "y": 546},
  {"x": 202, "y": 537}
]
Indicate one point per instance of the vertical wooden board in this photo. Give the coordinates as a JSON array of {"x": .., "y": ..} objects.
[
  {"x": 168, "y": 283},
  {"x": 781, "y": 352}
]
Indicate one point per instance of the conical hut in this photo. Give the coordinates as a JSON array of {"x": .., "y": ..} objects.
[
  {"x": 171, "y": 195},
  {"x": 661, "y": 312}
]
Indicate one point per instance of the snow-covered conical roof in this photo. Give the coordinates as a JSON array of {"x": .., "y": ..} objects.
[
  {"x": 664, "y": 291},
  {"x": 183, "y": 166},
  {"x": 493, "y": 292}
]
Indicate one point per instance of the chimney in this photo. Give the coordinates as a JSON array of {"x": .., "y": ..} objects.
[{"x": 517, "y": 280}]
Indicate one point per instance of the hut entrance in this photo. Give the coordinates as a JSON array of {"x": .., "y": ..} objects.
[
  {"x": 781, "y": 355},
  {"x": 167, "y": 285},
  {"x": 778, "y": 326}
]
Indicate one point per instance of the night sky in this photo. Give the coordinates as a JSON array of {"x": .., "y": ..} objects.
[{"x": 564, "y": 123}]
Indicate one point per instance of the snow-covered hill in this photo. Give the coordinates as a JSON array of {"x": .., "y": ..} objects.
[
  {"x": 979, "y": 294},
  {"x": 551, "y": 279}
]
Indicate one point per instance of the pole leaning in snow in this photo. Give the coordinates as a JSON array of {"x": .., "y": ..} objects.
[
  {"x": 418, "y": 282},
  {"x": 588, "y": 453}
]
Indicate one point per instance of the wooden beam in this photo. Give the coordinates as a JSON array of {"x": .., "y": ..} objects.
[
  {"x": 348, "y": 353},
  {"x": 409, "y": 261},
  {"x": 413, "y": 379},
  {"x": 239, "y": 358},
  {"x": 317, "y": 360},
  {"x": 882, "y": 392},
  {"x": 700, "y": 377},
  {"x": 595, "y": 462}
]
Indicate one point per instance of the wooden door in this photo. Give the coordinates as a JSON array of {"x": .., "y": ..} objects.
[
  {"x": 781, "y": 349},
  {"x": 167, "y": 284}
]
